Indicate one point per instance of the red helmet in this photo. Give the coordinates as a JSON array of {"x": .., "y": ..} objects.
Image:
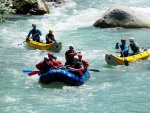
[
  {"x": 50, "y": 54},
  {"x": 80, "y": 55}
]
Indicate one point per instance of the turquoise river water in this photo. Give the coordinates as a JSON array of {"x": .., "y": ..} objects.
[{"x": 115, "y": 89}]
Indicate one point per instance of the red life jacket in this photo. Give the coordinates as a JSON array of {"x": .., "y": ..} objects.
[
  {"x": 42, "y": 66},
  {"x": 68, "y": 56},
  {"x": 85, "y": 63},
  {"x": 53, "y": 64},
  {"x": 59, "y": 63}
]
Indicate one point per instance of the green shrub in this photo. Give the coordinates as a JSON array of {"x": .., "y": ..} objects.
[{"x": 4, "y": 11}]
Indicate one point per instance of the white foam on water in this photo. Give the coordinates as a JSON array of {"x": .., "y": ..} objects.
[
  {"x": 10, "y": 99},
  {"x": 142, "y": 13},
  {"x": 78, "y": 19}
]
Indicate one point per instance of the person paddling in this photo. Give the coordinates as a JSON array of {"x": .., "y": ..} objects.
[
  {"x": 43, "y": 66},
  {"x": 52, "y": 62},
  {"x": 124, "y": 49},
  {"x": 134, "y": 46},
  {"x": 50, "y": 37},
  {"x": 77, "y": 68},
  {"x": 69, "y": 54},
  {"x": 59, "y": 63},
  {"x": 36, "y": 33},
  {"x": 84, "y": 62}
]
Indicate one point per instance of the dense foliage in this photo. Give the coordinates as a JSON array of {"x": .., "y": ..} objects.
[
  {"x": 19, "y": 7},
  {"x": 4, "y": 10}
]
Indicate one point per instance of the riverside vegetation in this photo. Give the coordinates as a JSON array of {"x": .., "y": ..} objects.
[
  {"x": 5, "y": 10},
  {"x": 7, "y": 7}
]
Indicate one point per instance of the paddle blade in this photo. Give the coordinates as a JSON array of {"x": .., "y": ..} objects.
[
  {"x": 126, "y": 62},
  {"x": 94, "y": 70},
  {"x": 33, "y": 73},
  {"x": 27, "y": 71}
]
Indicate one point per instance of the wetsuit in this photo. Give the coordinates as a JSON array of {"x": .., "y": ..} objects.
[
  {"x": 135, "y": 48},
  {"x": 50, "y": 38},
  {"x": 124, "y": 49},
  {"x": 36, "y": 33}
]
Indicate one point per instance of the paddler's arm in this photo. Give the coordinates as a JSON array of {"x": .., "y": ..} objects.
[
  {"x": 30, "y": 32},
  {"x": 117, "y": 46},
  {"x": 39, "y": 32}
]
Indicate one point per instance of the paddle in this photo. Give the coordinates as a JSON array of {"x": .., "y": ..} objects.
[
  {"x": 30, "y": 72},
  {"x": 23, "y": 42},
  {"x": 27, "y": 71},
  {"x": 95, "y": 70},
  {"x": 125, "y": 61},
  {"x": 113, "y": 51},
  {"x": 33, "y": 73}
]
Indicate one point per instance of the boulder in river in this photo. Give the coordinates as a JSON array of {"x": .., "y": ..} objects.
[
  {"x": 121, "y": 16},
  {"x": 34, "y": 7}
]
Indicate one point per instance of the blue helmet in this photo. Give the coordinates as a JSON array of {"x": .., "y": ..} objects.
[{"x": 54, "y": 57}]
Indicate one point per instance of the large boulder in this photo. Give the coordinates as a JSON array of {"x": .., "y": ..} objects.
[
  {"x": 121, "y": 16},
  {"x": 34, "y": 7}
]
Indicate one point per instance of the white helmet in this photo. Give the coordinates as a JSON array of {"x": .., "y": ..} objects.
[
  {"x": 132, "y": 39},
  {"x": 76, "y": 58},
  {"x": 45, "y": 58}
]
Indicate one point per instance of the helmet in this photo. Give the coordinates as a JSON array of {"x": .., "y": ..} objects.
[
  {"x": 51, "y": 30},
  {"x": 45, "y": 58},
  {"x": 132, "y": 39},
  {"x": 50, "y": 54},
  {"x": 80, "y": 55},
  {"x": 33, "y": 25},
  {"x": 71, "y": 46},
  {"x": 54, "y": 57},
  {"x": 75, "y": 58},
  {"x": 123, "y": 40}
]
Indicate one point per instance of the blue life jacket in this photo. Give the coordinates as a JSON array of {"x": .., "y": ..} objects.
[{"x": 35, "y": 34}]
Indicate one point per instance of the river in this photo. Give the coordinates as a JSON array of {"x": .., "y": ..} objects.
[{"x": 115, "y": 89}]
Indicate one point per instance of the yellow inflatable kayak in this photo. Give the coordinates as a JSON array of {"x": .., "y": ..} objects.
[
  {"x": 117, "y": 60},
  {"x": 55, "y": 47}
]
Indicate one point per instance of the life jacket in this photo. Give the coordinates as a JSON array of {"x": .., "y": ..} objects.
[
  {"x": 50, "y": 36},
  {"x": 125, "y": 53},
  {"x": 85, "y": 63},
  {"x": 53, "y": 64},
  {"x": 77, "y": 65},
  {"x": 59, "y": 63},
  {"x": 134, "y": 48},
  {"x": 42, "y": 66},
  {"x": 69, "y": 57},
  {"x": 122, "y": 47},
  {"x": 34, "y": 32}
]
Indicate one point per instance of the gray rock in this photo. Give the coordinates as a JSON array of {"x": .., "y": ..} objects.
[{"x": 121, "y": 16}]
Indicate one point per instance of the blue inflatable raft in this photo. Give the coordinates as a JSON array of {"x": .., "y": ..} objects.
[{"x": 64, "y": 76}]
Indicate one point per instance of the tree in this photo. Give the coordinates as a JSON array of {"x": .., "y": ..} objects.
[{"x": 4, "y": 10}]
